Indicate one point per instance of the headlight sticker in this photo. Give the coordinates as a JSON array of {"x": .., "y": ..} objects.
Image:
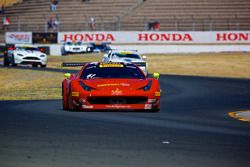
[
  {"x": 75, "y": 94},
  {"x": 157, "y": 94}
]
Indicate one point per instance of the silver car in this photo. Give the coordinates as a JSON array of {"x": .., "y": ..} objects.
[
  {"x": 73, "y": 48},
  {"x": 127, "y": 56}
]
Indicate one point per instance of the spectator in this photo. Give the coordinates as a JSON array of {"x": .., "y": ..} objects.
[
  {"x": 92, "y": 24},
  {"x": 156, "y": 26},
  {"x": 2, "y": 9},
  {"x": 56, "y": 25},
  {"x": 53, "y": 5},
  {"x": 50, "y": 24}
]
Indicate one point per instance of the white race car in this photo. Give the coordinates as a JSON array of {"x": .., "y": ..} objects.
[
  {"x": 73, "y": 48},
  {"x": 129, "y": 56},
  {"x": 25, "y": 54}
]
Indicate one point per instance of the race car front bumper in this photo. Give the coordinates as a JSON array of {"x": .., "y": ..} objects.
[
  {"x": 31, "y": 60},
  {"x": 116, "y": 102}
]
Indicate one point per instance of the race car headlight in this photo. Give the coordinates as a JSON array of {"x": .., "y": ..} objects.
[
  {"x": 19, "y": 55},
  {"x": 147, "y": 87},
  {"x": 85, "y": 87},
  {"x": 42, "y": 55}
]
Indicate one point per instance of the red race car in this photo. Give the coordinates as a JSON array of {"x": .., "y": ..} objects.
[{"x": 110, "y": 86}]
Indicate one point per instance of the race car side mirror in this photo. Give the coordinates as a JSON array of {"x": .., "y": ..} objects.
[
  {"x": 156, "y": 75},
  {"x": 144, "y": 57},
  {"x": 67, "y": 75}
]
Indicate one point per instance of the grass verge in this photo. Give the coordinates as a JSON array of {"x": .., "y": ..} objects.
[{"x": 19, "y": 84}]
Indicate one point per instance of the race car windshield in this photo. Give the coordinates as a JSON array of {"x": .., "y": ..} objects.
[
  {"x": 133, "y": 56},
  {"x": 128, "y": 72},
  {"x": 78, "y": 43},
  {"x": 27, "y": 48},
  {"x": 99, "y": 46},
  {"x": 69, "y": 43}
]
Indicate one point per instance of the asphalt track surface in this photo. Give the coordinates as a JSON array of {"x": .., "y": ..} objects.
[{"x": 192, "y": 129}]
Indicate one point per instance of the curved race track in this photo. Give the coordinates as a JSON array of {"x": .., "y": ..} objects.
[{"x": 192, "y": 129}]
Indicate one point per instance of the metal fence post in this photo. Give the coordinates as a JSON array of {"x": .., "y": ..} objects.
[
  {"x": 118, "y": 23},
  {"x": 193, "y": 24},
  {"x": 18, "y": 24}
]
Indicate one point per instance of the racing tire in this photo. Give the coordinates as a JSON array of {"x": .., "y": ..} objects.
[
  {"x": 43, "y": 66},
  {"x": 70, "y": 106},
  {"x": 65, "y": 100},
  {"x": 155, "y": 110},
  {"x": 6, "y": 61},
  {"x": 13, "y": 61},
  {"x": 64, "y": 53}
]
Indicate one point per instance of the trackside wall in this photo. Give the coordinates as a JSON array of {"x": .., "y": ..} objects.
[{"x": 144, "y": 42}]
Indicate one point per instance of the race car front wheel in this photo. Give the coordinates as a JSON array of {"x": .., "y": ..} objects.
[
  {"x": 6, "y": 61},
  {"x": 70, "y": 102},
  {"x": 13, "y": 61},
  {"x": 65, "y": 99}
]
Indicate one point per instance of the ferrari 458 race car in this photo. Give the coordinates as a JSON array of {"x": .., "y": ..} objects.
[
  {"x": 129, "y": 56},
  {"x": 111, "y": 86},
  {"x": 73, "y": 48},
  {"x": 25, "y": 54}
]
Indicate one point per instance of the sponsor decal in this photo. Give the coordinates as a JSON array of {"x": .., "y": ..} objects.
[
  {"x": 232, "y": 37},
  {"x": 87, "y": 107},
  {"x": 125, "y": 84},
  {"x": 103, "y": 65},
  {"x": 163, "y": 37},
  {"x": 89, "y": 37},
  {"x": 75, "y": 94},
  {"x": 125, "y": 52},
  {"x": 148, "y": 106},
  {"x": 112, "y": 85},
  {"x": 116, "y": 92},
  {"x": 152, "y": 100},
  {"x": 116, "y": 106},
  {"x": 184, "y": 37},
  {"x": 19, "y": 37},
  {"x": 44, "y": 37},
  {"x": 108, "y": 85}
]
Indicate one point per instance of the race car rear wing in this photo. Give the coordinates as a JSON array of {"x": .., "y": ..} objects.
[{"x": 73, "y": 64}]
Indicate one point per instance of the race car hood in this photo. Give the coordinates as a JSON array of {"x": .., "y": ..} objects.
[
  {"x": 124, "y": 84},
  {"x": 29, "y": 53}
]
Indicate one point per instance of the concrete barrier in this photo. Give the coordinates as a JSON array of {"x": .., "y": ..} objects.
[{"x": 146, "y": 49}]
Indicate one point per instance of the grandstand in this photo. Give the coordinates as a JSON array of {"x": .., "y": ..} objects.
[
  {"x": 189, "y": 15},
  {"x": 131, "y": 15}
]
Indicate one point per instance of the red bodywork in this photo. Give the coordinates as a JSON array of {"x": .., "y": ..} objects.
[{"x": 110, "y": 94}]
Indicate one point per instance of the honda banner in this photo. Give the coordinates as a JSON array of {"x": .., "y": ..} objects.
[{"x": 160, "y": 37}]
